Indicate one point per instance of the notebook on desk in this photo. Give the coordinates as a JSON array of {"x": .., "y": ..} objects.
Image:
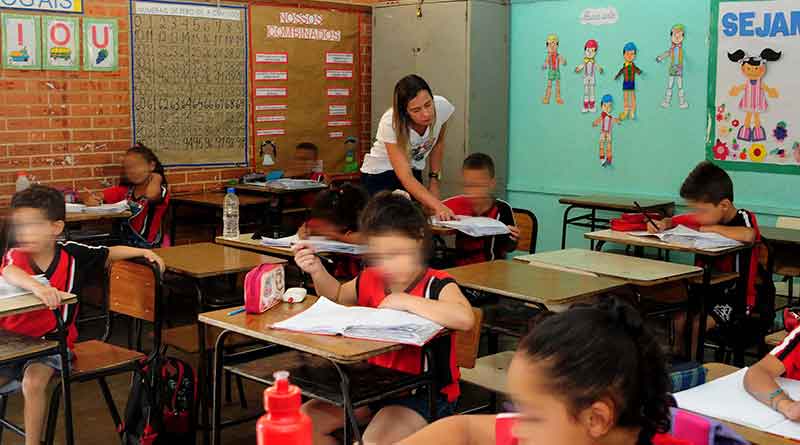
[
  {"x": 688, "y": 237},
  {"x": 320, "y": 245},
  {"x": 116, "y": 207},
  {"x": 8, "y": 290},
  {"x": 475, "y": 226},
  {"x": 328, "y": 318}
]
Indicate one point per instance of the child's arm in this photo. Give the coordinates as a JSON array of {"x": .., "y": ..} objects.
[
  {"x": 742, "y": 234},
  {"x": 579, "y": 68},
  {"x": 621, "y": 70},
  {"x": 153, "y": 191},
  {"x": 771, "y": 92},
  {"x": 451, "y": 310},
  {"x": 736, "y": 90},
  {"x": 760, "y": 383},
  {"x": 663, "y": 56},
  {"x": 49, "y": 295},
  {"x": 459, "y": 430},
  {"x": 597, "y": 122},
  {"x": 636, "y": 68},
  {"x": 325, "y": 284},
  {"x": 664, "y": 224},
  {"x": 117, "y": 253}
]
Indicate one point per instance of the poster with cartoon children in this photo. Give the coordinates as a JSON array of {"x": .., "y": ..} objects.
[{"x": 752, "y": 109}]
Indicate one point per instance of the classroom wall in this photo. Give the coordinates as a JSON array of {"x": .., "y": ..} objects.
[
  {"x": 70, "y": 129},
  {"x": 553, "y": 148}
]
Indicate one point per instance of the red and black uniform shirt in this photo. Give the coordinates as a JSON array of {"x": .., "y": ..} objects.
[
  {"x": 789, "y": 354},
  {"x": 69, "y": 271},
  {"x": 473, "y": 250},
  {"x": 146, "y": 215},
  {"x": 371, "y": 290}
]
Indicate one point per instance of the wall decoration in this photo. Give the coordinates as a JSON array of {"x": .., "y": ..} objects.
[
  {"x": 752, "y": 80},
  {"x": 589, "y": 67},
  {"x": 606, "y": 121},
  {"x": 21, "y": 42},
  {"x": 44, "y": 5},
  {"x": 552, "y": 64},
  {"x": 100, "y": 45},
  {"x": 61, "y": 43},
  {"x": 599, "y": 16},
  {"x": 675, "y": 70},
  {"x": 628, "y": 72}
]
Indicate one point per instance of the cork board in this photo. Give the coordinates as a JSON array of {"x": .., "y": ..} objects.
[
  {"x": 190, "y": 81},
  {"x": 304, "y": 71}
]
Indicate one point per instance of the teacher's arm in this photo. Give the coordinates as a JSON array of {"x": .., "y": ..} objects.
[
  {"x": 437, "y": 154},
  {"x": 402, "y": 169}
]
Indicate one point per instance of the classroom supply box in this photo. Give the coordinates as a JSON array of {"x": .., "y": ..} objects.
[{"x": 263, "y": 288}]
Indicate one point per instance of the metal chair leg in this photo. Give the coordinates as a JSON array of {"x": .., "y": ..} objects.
[
  {"x": 112, "y": 407},
  {"x": 228, "y": 385},
  {"x": 52, "y": 416},
  {"x": 3, "y": 405}
]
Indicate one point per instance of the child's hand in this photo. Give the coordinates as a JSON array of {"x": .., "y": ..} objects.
[
  {"x": 661, "y": 226},
  {"x": 514, "y": 232},
  {"x": 91, "y": 200},
  {"x": 153, "y": 257},
  {"x": 303, "y": 232},
  {"x": 443, "y": 213},
  {"x": 306, "y": 259},
  {"x": 595, "y": 123},
  {"x": 772, "y": 92},
  {"x": 50, "y": 296},
  {"x": 397, "y": 301},
  {"x": 790, "y": 409}
]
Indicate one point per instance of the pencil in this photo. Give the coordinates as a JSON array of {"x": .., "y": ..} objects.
[
  {"x": 323, "y": 258},
  {"x": 646, "y": 216}
]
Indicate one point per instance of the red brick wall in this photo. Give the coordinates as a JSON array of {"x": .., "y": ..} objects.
[{"x": 70, "y": 129}]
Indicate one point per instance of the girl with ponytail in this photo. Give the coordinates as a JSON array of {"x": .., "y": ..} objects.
[{"x": 591, "y": 375}]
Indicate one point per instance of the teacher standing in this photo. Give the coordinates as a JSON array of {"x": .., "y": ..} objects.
[{"x": 408, "y": 133}]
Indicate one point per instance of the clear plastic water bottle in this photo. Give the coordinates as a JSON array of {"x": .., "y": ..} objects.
[
  {"x": 22, "y": 181},
  {"x": 230, "y": 215}
]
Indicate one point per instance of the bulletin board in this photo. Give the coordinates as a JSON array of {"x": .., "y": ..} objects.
[
  {"x": 304, "y": 71},
  {"x": 753, "y": 120},
  {"x": 190, "y": 81}
]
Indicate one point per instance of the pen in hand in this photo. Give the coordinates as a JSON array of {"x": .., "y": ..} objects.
[{"x": 647, "y": 217}]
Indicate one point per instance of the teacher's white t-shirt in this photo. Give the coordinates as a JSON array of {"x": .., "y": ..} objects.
[{"x": 377, "y": 160}]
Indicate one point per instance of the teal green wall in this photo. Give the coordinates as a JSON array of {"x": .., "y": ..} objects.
[{"x": 553, "y": 148}]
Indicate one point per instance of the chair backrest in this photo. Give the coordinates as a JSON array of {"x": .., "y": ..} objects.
[
  {"x": 134, "y": 290},
  {"x": 528, "y": 229},
  {"x": 787, "y": 222},
  {"x": 467, "y": 343}
]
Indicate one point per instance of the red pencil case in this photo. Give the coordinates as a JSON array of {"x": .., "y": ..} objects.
[{"x": 630, "y": 222}]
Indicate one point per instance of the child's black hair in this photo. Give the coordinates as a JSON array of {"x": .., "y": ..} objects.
[
  {"x": 148, "y": 156},
  {"x": 767, "y": 54},
  {"x": 604, "y": 350},
  {"x": 308, "y": 146},
  {"x": 389, "y": 212},
  {"x": 707, "y": 183},
  {"x": 341, "y": 206},
  {"x": 47, "y": 199},
  {"x": 479, "y": 161}
]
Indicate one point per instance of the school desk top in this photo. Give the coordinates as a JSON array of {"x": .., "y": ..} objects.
[
  {"x": 533, "y": 284},
  {"x": 276, "y": 190},
  {"x": 612, "y": 236},
  {"x": 780, "y": 235},
  {"x": 620, "y": 203},
  {"x": 336, "y": 348},
  {"x": 73, "y": 217},
  {"x": 756, "y": 437},
  {"x": 638, "y": 271},
  {"x": 203, "y": 260},
  {"x": 216, "y": 199},
  {"x": 247, "y": 242},
  {"x": 25, "y": 303}
]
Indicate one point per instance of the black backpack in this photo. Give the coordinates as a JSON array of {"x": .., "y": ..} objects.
[{"x": 161, "y": 404}]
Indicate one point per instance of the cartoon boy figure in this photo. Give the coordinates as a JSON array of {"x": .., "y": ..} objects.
[
  {"x": 754, "y": 99},
  {"x": 606, "y": 121},
  {"x": 675, "y": 54},
  {"x": 629, "y": 70},
  {"x": 589, "y": 68},
  {"x": 552, "y": 63}
]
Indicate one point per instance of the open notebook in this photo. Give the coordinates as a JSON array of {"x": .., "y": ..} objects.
[
  {"x": 8, "y": 290},
  {"x": 117, "y": 207},
  {"x": 693, "y": 238},
  {"x": 328, "y": 318},
  {"x": 320, "y": 245},
  {"x": 726, "y": 399},
  {"x": 475, "y": 226}
]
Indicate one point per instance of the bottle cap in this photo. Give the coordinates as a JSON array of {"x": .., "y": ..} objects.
[
  {"x": 282, "y": 398},
  {"x": 23, "y": 173},
  {"x": 231, "y": 190}
]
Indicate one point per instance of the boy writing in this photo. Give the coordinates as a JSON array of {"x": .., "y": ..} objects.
[
  {"x": 38, "y": 215},
  {"x": 479, "y": 184}
]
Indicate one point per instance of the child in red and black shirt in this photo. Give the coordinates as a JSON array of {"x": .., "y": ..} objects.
[
  {"x": 397, "y": 233},
  {"x": 477, "y": 200},
  {"x": 783, "y": 361},
  {"x": 145, "y": 188},
  {"x": 38, "y": 219},
  {"x": 708, "y": 190}
]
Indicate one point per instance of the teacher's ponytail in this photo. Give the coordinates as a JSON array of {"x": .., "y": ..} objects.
[{"x": 406, "y": 90}]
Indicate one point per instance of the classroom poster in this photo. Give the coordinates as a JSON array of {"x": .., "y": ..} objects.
[
  {"x": 21, "y": 45},
  {"x": 61, "y": 43},
  {"x": 44, "y": 5},
  {"x": 753, "y": 101},
  {"x": 100, "y": 45}
]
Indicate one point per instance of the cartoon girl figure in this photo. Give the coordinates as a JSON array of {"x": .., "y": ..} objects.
[
  {"x": 606, "y": 122},
  {"x": 552, "y": 63},
  {"x": 754, "y": 99},
  {"x": 589, "y": 68}
]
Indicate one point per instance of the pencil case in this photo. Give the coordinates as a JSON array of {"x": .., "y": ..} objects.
[
  {"x": 630, "y": 222},
  {"x": 263, "y": 288}
]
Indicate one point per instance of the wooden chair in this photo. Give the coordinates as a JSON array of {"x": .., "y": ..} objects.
[
  {"x": 787, "y": 264},
  {"x": 529, "y": 230}
]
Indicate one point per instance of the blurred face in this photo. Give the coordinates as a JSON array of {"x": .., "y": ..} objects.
[
  {"x": 708, "y": 213},
  {"x": 137, "y": 169},
  {"x": 398, "y": 258},
  {"x": 478, "y": 184},
  {"x": 304, "y": 154},
  {"x": 630, "y": 56},
  {"x": 606, "y": 107},
  {"x": 552, "y": 46},
  {"x": 590, "y": 52},
  {"x": 34, "y": 233},
  {"x": 323, "y": 227},
  {"x": 421, "y": 109},
  {"x": 677, "y": 36},
  {"x": 754, "y": 72}
]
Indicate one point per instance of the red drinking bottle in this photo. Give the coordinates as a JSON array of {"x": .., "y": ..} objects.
[{"x": 283, "y": 424}]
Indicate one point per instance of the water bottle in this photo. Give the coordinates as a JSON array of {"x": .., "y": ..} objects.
[
  {"x": 230, "y": 215},
  {"x": 22, "y": 181},
  {"x": 284, "y": 423}
]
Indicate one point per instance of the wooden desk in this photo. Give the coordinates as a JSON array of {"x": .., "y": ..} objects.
[
  {"x": 611, "y": 236},
  {"x": 532, "y": 284},
  {"x": 636, "y": 271},
  {"x": 607, "y": 203},
  {"x": 204, "y": 260},
  {"x": 268, "y": 190},
  {"x": 75, "y": 217},
  {"x": 781, "y": 235},
  {"x": 26, "y": 303},
  {"x": 247, "y": 242},
  {"x": 756, "y": 437},
  {"x": 213, "y": 201}
]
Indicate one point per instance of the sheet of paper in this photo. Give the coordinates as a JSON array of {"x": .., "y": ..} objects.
[
  {"x": 683, "y": 235},
  {"x": 296, "y": 184},
  {"x": 8, "y": 290},
  {"x": 475, "y": 226},
  {"x": 324, "y": 317},
  {"x": 280, "y": 242},
  {"x": 117, "y": 207},
  {"x": 75, "y": 208}
]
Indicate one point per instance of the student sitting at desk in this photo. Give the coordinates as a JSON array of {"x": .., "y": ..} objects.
[
  {"x": 397, "y": 234},
  {"x": 307, "y": 153},
  {"x": 609, "y": 387},
  {"x": 708, "y": 190},
  {"x": 38, "y": 215},
  {"x": 144, "y": 186},
  {"x": 783, "y": 361},
  {"x": 477, "y": 173}
]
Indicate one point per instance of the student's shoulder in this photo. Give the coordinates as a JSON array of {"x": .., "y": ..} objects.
[
  {"x": 744, "y": 218},
  {"x": 16, "y": 257},
  {"x": 82, "y": 251},
  {"x": 459, "y": 204},
  {"x": 443, "y": 107},
  {"x": 788, "y": 346}
]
